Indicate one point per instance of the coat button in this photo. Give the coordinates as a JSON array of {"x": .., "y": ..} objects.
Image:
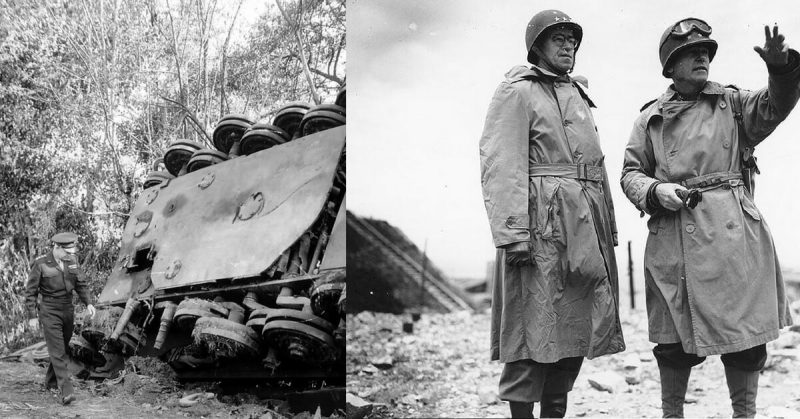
[
  {"x": 567, "y": 122},
  {"x": 690, "y": 228},
  {"x": 722, "y": 104},
  {"x": 730, "y": 225},
  {"x": 726, "y": 144}
]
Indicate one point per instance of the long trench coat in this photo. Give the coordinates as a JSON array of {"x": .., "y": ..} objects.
[
  {"x": 566, "y": 304},
  {"x": 713, "y": 282}
]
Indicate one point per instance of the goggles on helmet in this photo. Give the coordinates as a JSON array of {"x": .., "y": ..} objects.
[{"x": 686, "y": 26}]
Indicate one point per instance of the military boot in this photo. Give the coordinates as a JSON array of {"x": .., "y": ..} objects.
[
  {"x": 554, "y": 405},
  {"x": 743, "y": 387},
  {"x": 521, "y": 409},
  {"x": 673, "y": 390}
]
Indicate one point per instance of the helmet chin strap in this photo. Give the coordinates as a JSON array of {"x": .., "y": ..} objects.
[{"x": 544, "y": 63}]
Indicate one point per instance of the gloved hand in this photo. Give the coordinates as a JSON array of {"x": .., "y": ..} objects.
[
  {"x": 518, "y": 254},
  {"x": 33, "y": 323},
  {"x": 91, "y": 310}
]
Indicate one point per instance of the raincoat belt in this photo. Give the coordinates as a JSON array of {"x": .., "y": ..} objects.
[
  {"x": 568, "y": 170},
  {"x": 714, "y": 181}
]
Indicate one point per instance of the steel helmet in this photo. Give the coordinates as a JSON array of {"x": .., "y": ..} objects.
[
  {"x": 684, "y": 34},
  {"x": 543, "y": 20}
]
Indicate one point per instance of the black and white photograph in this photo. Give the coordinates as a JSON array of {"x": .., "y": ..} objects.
[
  {"x": 172, "y": 221},
  {"x": 573, "y": 209}
]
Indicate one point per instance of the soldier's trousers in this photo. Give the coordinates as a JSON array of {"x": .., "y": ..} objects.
[
  {"x": 672, "y": 355},
  {"x": 56, "y": 318},
  {"x": 527, "y": 380}
]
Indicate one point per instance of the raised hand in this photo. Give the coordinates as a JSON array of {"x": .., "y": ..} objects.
[{"x": 775, "y": 52}]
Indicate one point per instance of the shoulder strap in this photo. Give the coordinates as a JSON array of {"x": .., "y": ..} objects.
[
  {"x": 749, "y": 165},
  {"x": 647, "y": 104},
  {"x": 736, "y": 106}
]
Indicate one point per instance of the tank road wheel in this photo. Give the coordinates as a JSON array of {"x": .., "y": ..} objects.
[
  {"x": 261, "y": 137},
  {"x": 156, "y": 178},
  {"x": 300, "y": 342},
  {"x": 299, "y": 336},
  {"x": 230, "y": 129},
  {"x": 226, "y": 339},
  {"x": 191, "y": 309},
  {"x": 321, "y": 118},
  {"x": 204, "y": 158},
  {"x": 289, "y": 117},
  {"x": 257, "y": 319},
  {"x": 178, "y": 155},
  {"x": 98, "y": 329},
  {"x": 325, "y": 299},
  {"x": 85, "y": 352}
]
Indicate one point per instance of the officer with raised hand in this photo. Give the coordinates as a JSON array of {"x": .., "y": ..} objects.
[
  {"x": 52, "y": 278},
  {"x": 713, "y": 282},
  {"x": 555, "y": 297}
]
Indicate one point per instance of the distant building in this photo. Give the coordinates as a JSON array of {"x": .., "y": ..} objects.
[{"x": 385, "y": 273}]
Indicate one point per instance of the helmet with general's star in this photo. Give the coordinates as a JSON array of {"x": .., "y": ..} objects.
[{"x": 544, "y": 20}]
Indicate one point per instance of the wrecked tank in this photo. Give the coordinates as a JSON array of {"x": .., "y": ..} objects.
[{"x": 232, "y": 263}]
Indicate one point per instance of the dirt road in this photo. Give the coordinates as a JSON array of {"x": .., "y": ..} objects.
[{"x": 135, "y": 395}]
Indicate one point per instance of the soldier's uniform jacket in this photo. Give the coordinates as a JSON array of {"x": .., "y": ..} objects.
[
  {"x": 47, "y": 279},
  {"x": 713, "y": 282},
  {"x": 539, "y": 132}
]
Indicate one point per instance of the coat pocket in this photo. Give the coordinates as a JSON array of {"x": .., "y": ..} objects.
[
  {"x": 548, "y": 209},
  {"x": 654, "y": 224},
  {"x": 748, "y": 206}
]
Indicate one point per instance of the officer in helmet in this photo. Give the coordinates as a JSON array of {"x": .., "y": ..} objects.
[
  {"x": 713, "y": 282},
  {"x": 52, "y": 278},
  {"x": 547, "y": 196}
]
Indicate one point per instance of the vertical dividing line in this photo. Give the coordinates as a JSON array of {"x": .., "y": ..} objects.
[{"x": 630, "y": 276}]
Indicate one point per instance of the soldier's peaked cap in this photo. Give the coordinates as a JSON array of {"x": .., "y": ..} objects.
[{"x": 65, "y": 238}]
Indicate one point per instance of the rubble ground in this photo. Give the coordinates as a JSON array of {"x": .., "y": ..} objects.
[{"x": 442, "y": 369}]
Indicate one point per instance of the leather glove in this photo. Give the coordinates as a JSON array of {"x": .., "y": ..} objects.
[{"x": 518, "y": 254}]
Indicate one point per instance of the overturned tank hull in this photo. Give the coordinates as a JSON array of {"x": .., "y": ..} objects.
[{"x": 235, "y": 269}]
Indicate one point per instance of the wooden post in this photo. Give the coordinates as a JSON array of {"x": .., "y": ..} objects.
[{"x": 630, "y": 276}]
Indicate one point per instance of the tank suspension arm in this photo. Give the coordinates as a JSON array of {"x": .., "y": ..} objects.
[{"x": 130, "y": 307}]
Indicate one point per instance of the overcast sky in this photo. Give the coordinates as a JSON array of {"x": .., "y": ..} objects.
[{"x": 421, "y": 74}]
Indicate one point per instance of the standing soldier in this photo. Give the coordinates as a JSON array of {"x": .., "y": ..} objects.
[
  {"x": 53, "y": 277},
  {"x": 713, "y": 283},
  {"x": 547, "y": 196}
]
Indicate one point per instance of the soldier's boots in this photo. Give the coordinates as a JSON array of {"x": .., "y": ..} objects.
[
  {"x": 743, "y": 387},
  {"x": 521, "y": 409},
  {"x": 69, "y": 398},
  {"x": 554, "y": 405},
  {"x": 674, "y": 382}
]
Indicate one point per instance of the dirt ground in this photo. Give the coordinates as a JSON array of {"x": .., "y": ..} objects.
[
  {"x": 442, "y": 369},
  {"x": 147, "y": 393}
]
